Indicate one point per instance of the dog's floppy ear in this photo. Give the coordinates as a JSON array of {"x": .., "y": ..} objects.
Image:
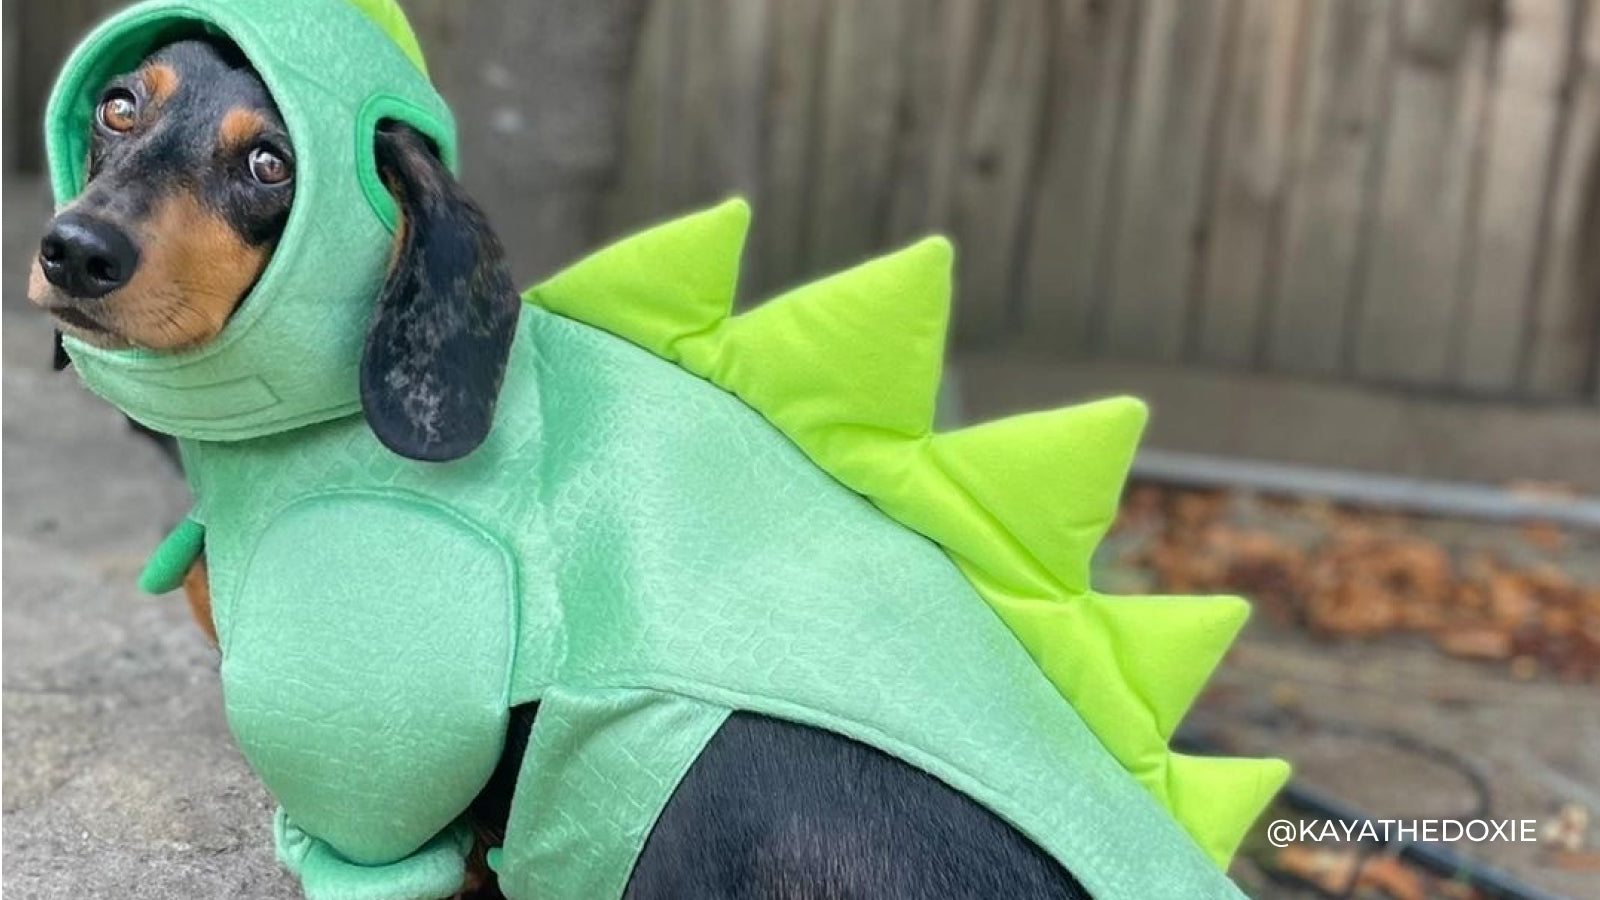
[{"x": 442, "y": 329}]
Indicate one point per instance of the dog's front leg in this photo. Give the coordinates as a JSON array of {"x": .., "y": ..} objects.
[{"x": 373, "y": 705}]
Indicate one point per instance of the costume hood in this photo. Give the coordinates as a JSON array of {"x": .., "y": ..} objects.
[{"x": 289, "y": 357}]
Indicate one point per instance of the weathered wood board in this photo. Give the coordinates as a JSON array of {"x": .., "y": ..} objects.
[
  {"x": 1399, "y": 193},
  {"x": 1393, "y": 192},
  {"x": 1065, "y": 273},
  {"x": 1255, "y": 125},
  {"x": 1331, "y": 169},
  {"x": 1416, "y": 236},
  {"x": 1563, "y": 351},
  {"x": 1159, "y": 232},
  {"x": 1523, "y": 126}
]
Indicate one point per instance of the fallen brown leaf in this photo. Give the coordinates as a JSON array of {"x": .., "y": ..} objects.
[
  {"x": 1546, "y": 536},
  {"x": 1331, "y": 871},
  {"x": 1389, "y": 875},
  {"x": 1576, "y": 862},
  {"x": 1477, "y": 643}
]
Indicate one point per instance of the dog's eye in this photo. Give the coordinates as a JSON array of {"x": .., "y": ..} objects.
[
  {"x": 267, "y": 167},
  {"x": 119, "y": 110}
]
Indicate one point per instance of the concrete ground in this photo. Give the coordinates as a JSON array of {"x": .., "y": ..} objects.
[{"x": 121, "y": 779}]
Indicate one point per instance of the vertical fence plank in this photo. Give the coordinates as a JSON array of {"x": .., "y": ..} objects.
[
  {"x": 862, "y": 92},
  {"x": 1524, "y": 112},
  {"x": 993, "y": 185},
  {"x": 1408, "y": 298},
  {"x": 644, "y": 181},
  {"x": 1336, "y": 138},
  {"x": 1560, "y": 358},
  {"x": 940, "y": 59},
  {"x": 695, "y": 115},
  {"x": 725, "y": 90},
  {"x": 1093, "y": 43},
  {"x": 1248, "y": 190},
  {"x": 725, "y": 86},
  {"x": 798, "y": 43},
  {"x": 1173, "y": 100}
]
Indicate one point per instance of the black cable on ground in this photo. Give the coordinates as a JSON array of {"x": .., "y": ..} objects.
[{"x": 1493, "y": 883}]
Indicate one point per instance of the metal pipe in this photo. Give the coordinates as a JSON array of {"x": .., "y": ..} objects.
[{"x": 1418, "y": 495}]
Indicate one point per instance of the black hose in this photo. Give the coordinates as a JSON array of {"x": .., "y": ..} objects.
[{"x": 1493, "y": 883}]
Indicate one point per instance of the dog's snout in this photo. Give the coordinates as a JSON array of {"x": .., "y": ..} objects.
[{"x": 87, "y": 257}]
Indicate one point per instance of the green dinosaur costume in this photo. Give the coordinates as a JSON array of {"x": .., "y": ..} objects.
[{"x": 679, "y": 513}]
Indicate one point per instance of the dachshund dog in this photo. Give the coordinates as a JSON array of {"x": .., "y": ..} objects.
[{"x": 192, "y": 177}]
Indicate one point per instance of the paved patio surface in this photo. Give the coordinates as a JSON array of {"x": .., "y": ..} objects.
[{"x": 120, "y": 778}]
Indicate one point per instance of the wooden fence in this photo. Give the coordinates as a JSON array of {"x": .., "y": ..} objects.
[{"x": 1392, "y": 192}]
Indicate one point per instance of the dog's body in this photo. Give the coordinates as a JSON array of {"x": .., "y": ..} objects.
[
  {"x": 777, "y": 810},
  {"x": 183, "y": 210}
]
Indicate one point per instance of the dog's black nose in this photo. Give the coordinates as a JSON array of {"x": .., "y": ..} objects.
[{"x": 86, "y": 257}]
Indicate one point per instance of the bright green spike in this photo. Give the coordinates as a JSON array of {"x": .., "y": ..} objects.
[
  {"x": 1075, "y": 651},
  {"x": 660, "y": 286},
  {"x": 1053, "y": 477},
  {"x": 860, "y": 349},
  {"x": 1217, "y": 799},
  {"x": 392, "y": 19},
  {"x": 1167, "y": 647},
  {"x": 1111, "y": 657}
]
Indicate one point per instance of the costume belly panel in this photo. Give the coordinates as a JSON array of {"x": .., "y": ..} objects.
[{"x": 369, "y": 695}]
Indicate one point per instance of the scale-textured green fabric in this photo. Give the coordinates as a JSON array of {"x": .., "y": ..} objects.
[{"x": 679, "y": 513}]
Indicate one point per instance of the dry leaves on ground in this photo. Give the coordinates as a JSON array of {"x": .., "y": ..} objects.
[
  {"x": 1332, "y": 872},
  {"x": 1355, "y": 574}
]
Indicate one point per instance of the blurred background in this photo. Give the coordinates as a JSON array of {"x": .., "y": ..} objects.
[{"x": 1348, "y": 249}]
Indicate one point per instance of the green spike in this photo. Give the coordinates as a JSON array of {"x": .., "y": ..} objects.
[
  {"x": 1053, "y": 477},
  {"x": 1070, "y": 643},
  {"x": 1168, "y": 646},
  {"x": 658, "y": 287},
  {"x": 389, "y": 17},
  {"x": 1131, "y": 665},
  {"x": 860, "y": 349},
  {"x": 1217, "y": 799},
  {"x": 1093, "y": 649}
]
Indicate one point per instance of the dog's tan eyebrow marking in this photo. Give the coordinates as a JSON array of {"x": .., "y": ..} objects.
[
  {"x": 241, "y": 126},
  {"x": 161, "y": 80}
]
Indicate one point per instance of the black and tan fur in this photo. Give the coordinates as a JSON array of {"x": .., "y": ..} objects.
[{"x": 170, "y": 211}]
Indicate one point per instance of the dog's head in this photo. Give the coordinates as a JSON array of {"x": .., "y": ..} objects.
[{"x": 191, "y": 179}]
